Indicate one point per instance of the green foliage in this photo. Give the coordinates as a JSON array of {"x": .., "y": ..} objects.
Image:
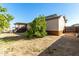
[
  {"x": 3, "y": 9},
  {"x": 38, "y": 27},
  {"x": 4, "y": 18}
]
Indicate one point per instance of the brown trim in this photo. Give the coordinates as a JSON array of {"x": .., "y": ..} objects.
[{"x": 55, "y": 32}]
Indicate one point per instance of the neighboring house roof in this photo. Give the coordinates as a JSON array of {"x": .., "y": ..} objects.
[
  {"x": 76, "y": 25},
  {"x": 20, "y": 23},
  {"x": 50, "y": 17},
  {"x": 55, "y": 16}
]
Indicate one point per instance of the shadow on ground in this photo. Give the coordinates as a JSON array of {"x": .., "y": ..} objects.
[
  {"x": 65, "y": 46},
  {"x": 8, "y": 39},
  {"x": 14, "y": 38}
]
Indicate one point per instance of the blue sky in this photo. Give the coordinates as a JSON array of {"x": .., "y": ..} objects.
[{"x": 26, "y": 12}]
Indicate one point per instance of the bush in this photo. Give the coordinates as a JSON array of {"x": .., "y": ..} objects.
[{"x": 38, "y": 27}]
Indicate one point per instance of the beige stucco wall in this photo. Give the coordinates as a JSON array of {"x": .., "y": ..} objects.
[
  {"x": 62, "y": 24},
  {"x": 19, "y": 26},
  {"x": 52, "y": 25},
  {"x": 56, "y": 24}
]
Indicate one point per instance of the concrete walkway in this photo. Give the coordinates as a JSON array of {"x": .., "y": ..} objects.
[{"x": 67, "y": 45}]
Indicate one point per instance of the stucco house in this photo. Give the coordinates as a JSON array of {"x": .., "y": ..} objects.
[
  {"x": 55, "y": 24},
  {"x": 20, "y": 27}
]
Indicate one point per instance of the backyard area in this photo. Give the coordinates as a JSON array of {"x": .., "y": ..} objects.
[
  {"x": 17, "y": 45},
  {"x": 14, "y": 44}
]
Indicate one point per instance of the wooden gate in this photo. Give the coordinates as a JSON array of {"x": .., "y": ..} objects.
[
  {"x": 77, "y": 29},
  {"x": 70, "y": 30}
]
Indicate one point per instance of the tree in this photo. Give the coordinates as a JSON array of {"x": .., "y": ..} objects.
[
  {"x": 37, "y": 27},
  {"x": 5, "y": 18}
]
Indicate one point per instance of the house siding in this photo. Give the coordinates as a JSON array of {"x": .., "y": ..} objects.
[
  {"x": 52, "y": 25},
  {"x": 56, "y": 26}
]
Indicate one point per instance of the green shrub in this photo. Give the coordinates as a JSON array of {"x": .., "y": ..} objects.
[
  {"x": 5, "y": 19},
  {"x": 37, "y": 27}
]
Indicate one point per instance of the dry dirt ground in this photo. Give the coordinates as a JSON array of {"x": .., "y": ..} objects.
[
  {"x": 17, "y": 45},
  {"x": 67, "y": 45}
]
